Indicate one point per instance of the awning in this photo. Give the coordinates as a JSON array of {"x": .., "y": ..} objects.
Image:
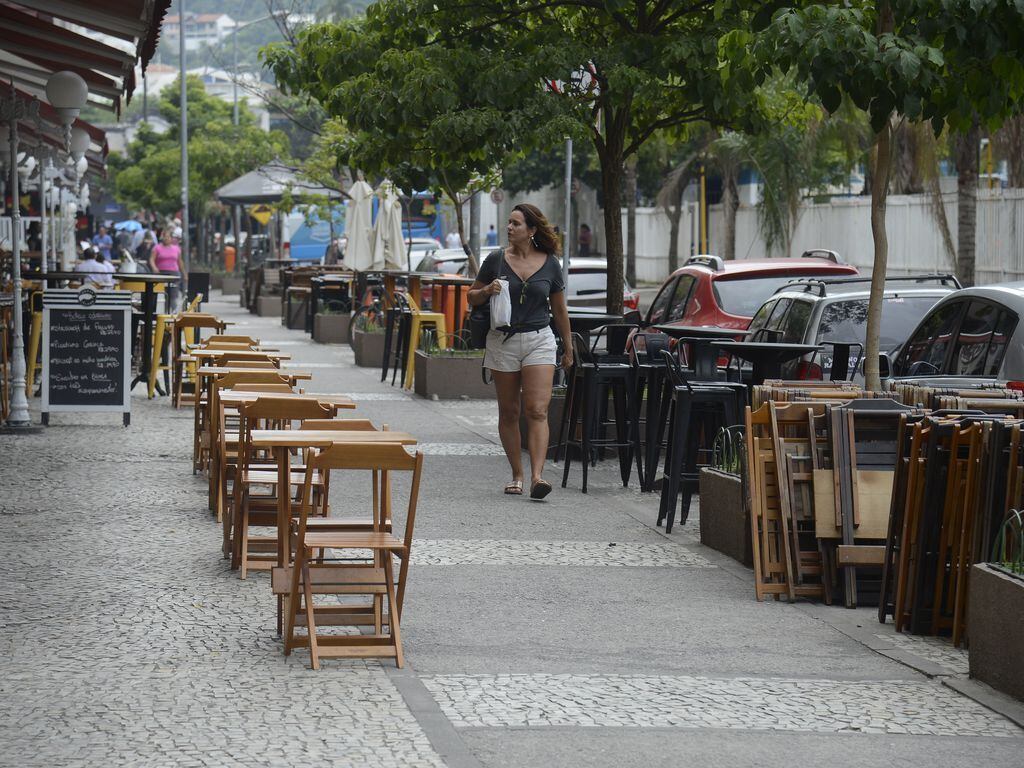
[
  {"x": 268, "y": 183},
  {"x": 101, "y": 40}
]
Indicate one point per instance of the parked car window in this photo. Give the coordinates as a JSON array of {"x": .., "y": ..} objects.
[
  {"x": 847, "y": 320},
  {"x": 760, "y": 318},
  {"x": 587, "y": 281},
  {"x": 973, "y": 339},
  {"x": 794, "y": 325},
  {"x": 658, "y": 313},
  {"x": 926, "y": 353},
  {"x": 1005, "y": 326},
  {"x": 744, "y": 296},
  {"x": 680, "y": 297}
]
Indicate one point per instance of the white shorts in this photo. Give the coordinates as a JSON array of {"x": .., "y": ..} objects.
[{"x": 520, "y": 350}]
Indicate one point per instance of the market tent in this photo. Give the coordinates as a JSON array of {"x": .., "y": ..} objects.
[
  {"x": 389, "y": 250},
  {"x": 359, "y": 251},
  {"x": 268, "y": 184}
]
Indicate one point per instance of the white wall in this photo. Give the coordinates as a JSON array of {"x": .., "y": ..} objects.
[{"x": 844, "y": 225}]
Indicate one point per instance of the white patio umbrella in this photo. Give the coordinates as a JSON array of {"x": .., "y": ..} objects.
[
  {"x": 388, "y": 241},
  {"x": 358, "y": 227}
]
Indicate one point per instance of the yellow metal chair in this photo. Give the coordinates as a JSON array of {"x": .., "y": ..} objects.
[
  {"x": 420, "y": 320},
  {"x": 161, "y": 335}
]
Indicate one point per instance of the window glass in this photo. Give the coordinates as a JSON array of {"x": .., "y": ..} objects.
[
  {"x": 680, "y": 297},
  {"x": 1005, "y": 326},
  {"x": 587, "y": 281},
  {"x": 926, "y": 353},
  {"x": 973, "y": 338},
  {"x": 742, "y": 296},
  {"x": 760, "y": 319},
  {"x": 659, "y": 309},
  {"x": 794, "y": 326},
  {"x": 847, "y": 320}
]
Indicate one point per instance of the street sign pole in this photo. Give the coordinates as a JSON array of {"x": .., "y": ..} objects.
[{"x": 567, "y": 236}]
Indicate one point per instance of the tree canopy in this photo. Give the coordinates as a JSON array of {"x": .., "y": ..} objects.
[
  {"x": 149, "y": 175},
  {"x": 444, "y": 90}
]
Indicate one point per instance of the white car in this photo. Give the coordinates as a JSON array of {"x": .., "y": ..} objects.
[
  {"x": 420, "y": 247},
  {"x": 588, "y": 285}
]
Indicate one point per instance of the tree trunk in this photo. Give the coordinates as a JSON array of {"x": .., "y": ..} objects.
[
  {"x": 730, "y": 204},
  {"x": 879, "y": 194},
  {"x": 474, "y": 266},
  {"x": 675, "y": 213},
  {"x": 630, "y": 172},
  {"x": 966, "y": 149},
  {"x": 611, "y": 181},
  {"x": 1013, "y": 137}
]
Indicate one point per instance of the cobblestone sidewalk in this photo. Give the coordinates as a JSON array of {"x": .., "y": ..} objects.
[{"x": 125, "y": 640}]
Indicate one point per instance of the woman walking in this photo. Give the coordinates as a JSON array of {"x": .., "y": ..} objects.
[
  {"x": 166, "y": 260},
  {"x": 522, "y": 356}
]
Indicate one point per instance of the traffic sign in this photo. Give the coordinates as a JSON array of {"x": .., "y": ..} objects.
[{"x": 497, "y": 196}]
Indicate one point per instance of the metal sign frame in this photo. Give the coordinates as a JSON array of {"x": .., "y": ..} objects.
[{"x": 88, "y": 300}]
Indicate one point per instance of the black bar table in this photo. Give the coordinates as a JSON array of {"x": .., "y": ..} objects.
[
  {"x": 704, "y": 358},
  {"x": 765, "y": 357}
]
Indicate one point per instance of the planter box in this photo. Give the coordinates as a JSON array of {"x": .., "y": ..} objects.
[
  {"x": 554, "y": 422},
  {"x": 231, "y": 284},
  {"x": 268, "y": 306},
  {"x": 217, "y": 281},
  {"x": 368, "y": 349},
  {"x": 996, "y": 630},
  {"x": 725, "y": 515},
  {"x": 450, "y": 378},
  {"x": 331, "y": 329},
  {"x": 297, "y": 320}
]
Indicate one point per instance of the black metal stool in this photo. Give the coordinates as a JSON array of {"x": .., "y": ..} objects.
[
  {"x": 695, "y": 412},
  {"x": 649, "y": 378},
  {"x": 591, "y": 381}
]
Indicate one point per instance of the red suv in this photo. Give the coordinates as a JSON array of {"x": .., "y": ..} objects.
[{"x": 708, "y": 290}]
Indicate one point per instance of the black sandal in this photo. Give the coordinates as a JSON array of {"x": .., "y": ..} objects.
[{"x": 540, "y": 489}]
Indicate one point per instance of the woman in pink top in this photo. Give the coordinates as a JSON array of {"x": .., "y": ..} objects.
[{"x": 165, "y": 258}]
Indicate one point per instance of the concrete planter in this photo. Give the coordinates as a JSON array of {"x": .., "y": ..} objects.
[
  {"x": 450, "y": 378},
  {"x": 268, "y": 306},
  {"x": 995, "y": 629},
  {"x": 217, "y": 281},
  {"x": 554, "y": 421},
  {"x": 231, "y": 284},
  {"x": 725, "y": 515},
  {"x": 331, "y": 329},
  {"x": 368, "y": 349},
  {"x": 296, "y": 321}
]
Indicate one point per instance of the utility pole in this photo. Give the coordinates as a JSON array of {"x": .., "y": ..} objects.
[
  {"x": 567, "y": 237},
  {"x": 184, "y": 152}
]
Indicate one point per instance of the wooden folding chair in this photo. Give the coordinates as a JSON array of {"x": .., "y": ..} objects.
[
  {"x": 183, "y": 323},
  {"x": 376, "y": 580},
  {"x": 250, "y": 509}
]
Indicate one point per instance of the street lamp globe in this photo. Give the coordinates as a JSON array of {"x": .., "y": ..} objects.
[
  {"x": 79, "y": 143},
  {"x": 81, "y": 166},
  {"x": 67, "y": 93}
]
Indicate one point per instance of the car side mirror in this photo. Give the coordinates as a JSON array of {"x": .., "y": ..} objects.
[{"x": 884, "y": 366}]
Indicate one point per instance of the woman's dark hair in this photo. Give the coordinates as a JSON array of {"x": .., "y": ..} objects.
[{"x": 545, "y": 238}]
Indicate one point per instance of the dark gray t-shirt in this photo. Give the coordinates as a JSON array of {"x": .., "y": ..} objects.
[{"x": 530, "y": 308}]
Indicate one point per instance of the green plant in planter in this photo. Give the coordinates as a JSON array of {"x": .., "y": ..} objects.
[
  {"x": 1008, "y": 550},
  {"x": 334, "y": 308},
  {"x": 457, "y": 345},
  {"x": 727, "y": 451}
]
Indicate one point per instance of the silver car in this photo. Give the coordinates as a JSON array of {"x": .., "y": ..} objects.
[
  {"x": 833, "y": 311},
  {"x": 971, "y": 336}
]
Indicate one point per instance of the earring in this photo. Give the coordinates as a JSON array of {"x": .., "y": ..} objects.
[{"x": 533, "y": 240}]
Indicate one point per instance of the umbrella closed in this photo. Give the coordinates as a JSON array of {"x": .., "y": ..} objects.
[
  {"x": 388, "y": 242},
  {"x": 358, "y": 251}
]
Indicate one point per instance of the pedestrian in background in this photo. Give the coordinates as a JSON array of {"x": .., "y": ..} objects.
[
  {"x": 103, "y": 242},
  {"x": 491, "y": 239},
  {"x": 453, "y": 240},
  {"x": 144, "y": 253},
  {"x": 584, "y": 239},
  {"x": 166, "y": 260},
  {"x": 522, "y": 355}
]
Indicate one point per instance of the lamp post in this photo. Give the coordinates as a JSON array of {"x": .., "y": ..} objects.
[
  {"x": 183, "y": 136},
  {"x": 12, "y": 110}
]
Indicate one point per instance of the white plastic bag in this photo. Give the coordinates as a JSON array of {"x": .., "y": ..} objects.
[{"x": 501, "y": 307}]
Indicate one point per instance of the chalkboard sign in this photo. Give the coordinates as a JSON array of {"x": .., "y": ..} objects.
[{"x": 86, "y": 351}]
